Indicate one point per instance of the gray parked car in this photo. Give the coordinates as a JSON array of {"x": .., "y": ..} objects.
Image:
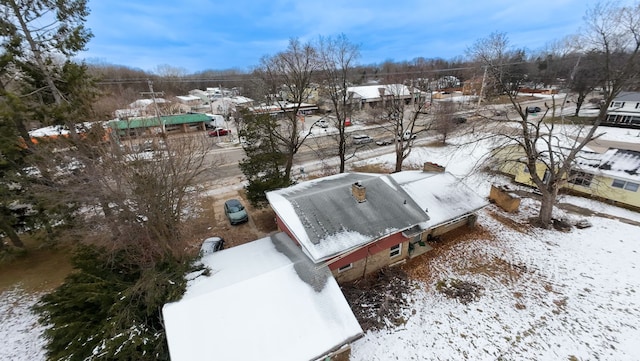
[{"x": 235, "y": 211}]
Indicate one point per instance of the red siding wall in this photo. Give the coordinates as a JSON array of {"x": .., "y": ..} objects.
[
  {"x": 379, "y": 246},
  {"x": 282, "y": 227}
]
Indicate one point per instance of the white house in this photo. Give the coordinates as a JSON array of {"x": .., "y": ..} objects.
[
  {"x": 263, "y": 300},
  {"x": 624, "y": 110}
]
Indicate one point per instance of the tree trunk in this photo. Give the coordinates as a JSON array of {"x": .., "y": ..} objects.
[
  {"x": 399, "y": 158},
  {"x": 580, "y": 101},
  {"x": 37, "y": 54},
  {"x": 288, "y": 166},
  {"x": 546, "y": 206},
  {"x": 342, "y": 150},
  {"x": 11, "y": 233}
]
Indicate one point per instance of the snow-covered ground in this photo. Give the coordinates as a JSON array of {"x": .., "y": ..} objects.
[
  {"x": 20, "y": 332},
  {"x": 547, "y": 295}
]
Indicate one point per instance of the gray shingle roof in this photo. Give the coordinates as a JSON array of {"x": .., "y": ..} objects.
[
  {"x": 327, "y": 219},
  {"x": 627, "y": 97}
]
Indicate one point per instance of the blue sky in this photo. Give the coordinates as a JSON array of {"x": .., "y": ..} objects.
[{"x": 197, "y": 35}]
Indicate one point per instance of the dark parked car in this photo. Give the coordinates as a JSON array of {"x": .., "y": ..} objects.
[
  {"x": 459, "y": 120},
  {"x": 234, "y": 210},
  {"x": 533, "y": 109},
  {"x": 210, "y": 245},
  {"x": 219, "y": 131}
]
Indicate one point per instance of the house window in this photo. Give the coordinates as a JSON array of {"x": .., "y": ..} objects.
[
  {"x": 546, "y": 177},
  {"x": 617, "y": 104},
  {"x": 629, "y": 186},
  {"x": 345, "y": 267},
  {"x": 395, "y": 251},
  {"x": 580, "y": 178}
]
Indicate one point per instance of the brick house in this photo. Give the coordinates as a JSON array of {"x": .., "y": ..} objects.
[{"x": 357, "y": 223}]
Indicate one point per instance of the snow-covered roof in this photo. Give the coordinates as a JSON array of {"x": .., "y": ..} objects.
[
  {"x": 142, "y": 103},
  {"x": 264, "y": 300},
  {"x": 444, "y": 196},
  {"x": 327, "y": 220},
  {"x": 627, "y": 97},
  {"x": 372, "y": 91},
  {"x": 239, "y": 99},
  {"x": 56, "y": 130},
  {"x": 52, "y": 130},
  {"x": 188, "y": 98},
  {"x": 615, "y": 163}
]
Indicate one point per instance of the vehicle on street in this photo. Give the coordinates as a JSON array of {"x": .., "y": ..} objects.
[
  {"x": 362, "y": 139},
  {"x": 459, "y": 120},
  {"x": 235, "y": 211},
  {"x": 322, "y": 123},
  {"x": 219, "y": 132},
  {"x": 533, "y": 109},
  {"x": 407, "y": 135},
  {"x": 384, "y": 141},
  {"x": 210, "y": 245}
]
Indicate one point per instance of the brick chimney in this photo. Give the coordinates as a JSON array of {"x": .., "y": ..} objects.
[
  {"x": 432, "y": 167},
  {"x": 359, "y": 192}
]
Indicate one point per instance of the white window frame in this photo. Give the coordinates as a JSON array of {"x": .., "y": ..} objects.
[
  {"x": 346, "y": 267},
  {"x": 626, "y": 185},
  {"x": 395, "y": 251}
]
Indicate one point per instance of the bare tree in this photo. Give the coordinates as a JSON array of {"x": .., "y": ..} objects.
[
  {"x": 400, "y": 112},
  {"x": 337, "y": 57},
  {"x": 442, "y": 122},
  {"x": 121, "y": 198},
  {"x": 288, "y": 75},
  {"x": 546, "y": 149}
]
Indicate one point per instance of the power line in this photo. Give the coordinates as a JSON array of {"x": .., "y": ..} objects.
[{"x": 248, "y": 77}]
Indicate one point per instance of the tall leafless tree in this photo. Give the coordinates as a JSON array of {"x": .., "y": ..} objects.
[
  {"x": 288, "y": 74},
  {"x": 400, "y": 114},
  {"x": 337, "y": 57},
  {"x": 547, "y": 150}
]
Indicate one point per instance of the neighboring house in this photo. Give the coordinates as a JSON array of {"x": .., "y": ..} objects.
[
  {"x": 192, "y": 101},
  {"x": 155, "y": 125},
  {"x": 141, "y": 108},
  {"x": 371, "y": 96},
  {"x": 613, "y": 175},
  {"x": 282, "y": 106},
  {"x": 263, "y": 300},
  {"x": 357, "y": 223},
  {"x": 624, "y": 110}
]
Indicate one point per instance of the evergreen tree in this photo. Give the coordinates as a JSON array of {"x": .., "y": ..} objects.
[
  {"x": 265, "y": 163},
  {"x": 110, "y": 308}
]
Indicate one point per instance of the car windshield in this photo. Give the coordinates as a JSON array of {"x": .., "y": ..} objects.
[{"x": 234, "y": 206}]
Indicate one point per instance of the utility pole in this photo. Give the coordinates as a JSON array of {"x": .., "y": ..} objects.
[
  {"x": 155, "y": 103},
  {"x": 484, "y": 77}
]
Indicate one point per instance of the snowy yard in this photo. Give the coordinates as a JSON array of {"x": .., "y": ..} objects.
[{"x": 547, "y": 295}]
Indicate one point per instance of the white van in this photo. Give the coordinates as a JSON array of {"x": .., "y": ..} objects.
[
  {"x": 362, "y": 139},
  {"x": 407, "y": 135}
]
